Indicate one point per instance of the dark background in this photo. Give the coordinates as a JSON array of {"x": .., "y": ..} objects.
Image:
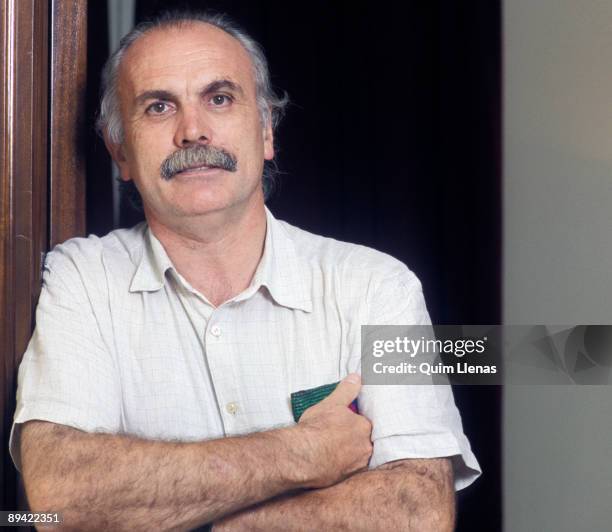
[{"x": 392, "y": 140}]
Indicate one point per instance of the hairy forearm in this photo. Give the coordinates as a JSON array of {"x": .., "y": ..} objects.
[
  {"x": 113, "y": 482},
  {"x": 410, "y": 495}
]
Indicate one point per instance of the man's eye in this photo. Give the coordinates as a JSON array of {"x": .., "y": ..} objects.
[
  {"x": 157, "y": 108},
  {"x": 220, "y": 99}
]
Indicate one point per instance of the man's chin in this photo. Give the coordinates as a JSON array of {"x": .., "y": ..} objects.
[
  {"x": 202, "y": 208},
  {"x": 201, "y": 204},
  {"x": 201, "y": 200}
]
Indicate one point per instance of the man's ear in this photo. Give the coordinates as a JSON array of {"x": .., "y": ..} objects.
[
  {"x": 268, "y": 139},
  {"x": 118, "y": 154}
]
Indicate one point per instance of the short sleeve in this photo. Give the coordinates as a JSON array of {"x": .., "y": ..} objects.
[
  {"x": 67, "y": 374},
  {"x": 412, "y": 421}
]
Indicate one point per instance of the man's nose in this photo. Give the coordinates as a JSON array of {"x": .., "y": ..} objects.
[{"x": 193, "y": 128}]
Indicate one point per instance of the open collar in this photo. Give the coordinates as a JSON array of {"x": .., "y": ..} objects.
[
  {"x": 150, "y": 275},
  {"x": 281, "y": 270}
]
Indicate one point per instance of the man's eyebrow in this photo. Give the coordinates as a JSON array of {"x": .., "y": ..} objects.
[
  {"x": 222, "y": 84},
  {"x": 154, "y": 95}
]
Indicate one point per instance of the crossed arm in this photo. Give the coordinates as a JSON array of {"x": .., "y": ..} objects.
[
  {"x": 103, "y": 481},
  {"x": 415, "y": 494}
]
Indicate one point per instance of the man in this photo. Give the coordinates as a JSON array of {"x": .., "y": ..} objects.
[{"x": 155, "y": 390}]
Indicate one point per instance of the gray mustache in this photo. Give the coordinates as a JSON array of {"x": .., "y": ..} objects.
[{"x": 198, "y": 155}]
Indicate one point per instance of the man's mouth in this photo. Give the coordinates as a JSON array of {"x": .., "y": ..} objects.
[
  {"x": 198, "y": 169},
  {"x": 197, "y": 160}
]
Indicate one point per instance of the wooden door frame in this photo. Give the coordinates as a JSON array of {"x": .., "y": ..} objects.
[
  {"x": 42, "y": 173},
  {"x": 68, "y": 84}
]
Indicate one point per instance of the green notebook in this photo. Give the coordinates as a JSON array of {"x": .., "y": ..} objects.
[{"x": 304, "y": 399}]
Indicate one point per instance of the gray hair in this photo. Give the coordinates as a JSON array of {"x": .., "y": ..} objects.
[{"x": 271, "y": 106}]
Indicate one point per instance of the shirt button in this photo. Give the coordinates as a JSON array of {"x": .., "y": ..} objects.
[
  {"x": 215, "y": 330},
  {"x": 231, "y": 408}
]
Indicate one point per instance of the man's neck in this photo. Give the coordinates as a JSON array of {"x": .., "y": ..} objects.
[{"x": 219, "y": 252}]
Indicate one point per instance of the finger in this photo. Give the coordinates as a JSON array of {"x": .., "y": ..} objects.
[{"x": 346, "y": 390}]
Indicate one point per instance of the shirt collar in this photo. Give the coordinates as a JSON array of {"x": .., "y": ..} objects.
[
  {"x": 281, "y": 270},
  {"x": 150, "y": 275}
]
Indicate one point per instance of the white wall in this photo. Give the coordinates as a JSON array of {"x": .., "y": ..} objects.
[{"x": 558, "y": 253}]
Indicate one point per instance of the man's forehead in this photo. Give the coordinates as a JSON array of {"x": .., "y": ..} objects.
[{"x": 190, "y": 49}]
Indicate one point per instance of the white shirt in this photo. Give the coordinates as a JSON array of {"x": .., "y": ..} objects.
[{"x": 124, "y": 344}]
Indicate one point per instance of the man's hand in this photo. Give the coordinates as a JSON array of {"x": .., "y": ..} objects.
[
  {"x": 413, "y": 494},
  {"x": 335, "y": 442}
]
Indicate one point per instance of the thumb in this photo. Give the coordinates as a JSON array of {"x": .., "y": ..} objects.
[{"x": 346, "y": 391}]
